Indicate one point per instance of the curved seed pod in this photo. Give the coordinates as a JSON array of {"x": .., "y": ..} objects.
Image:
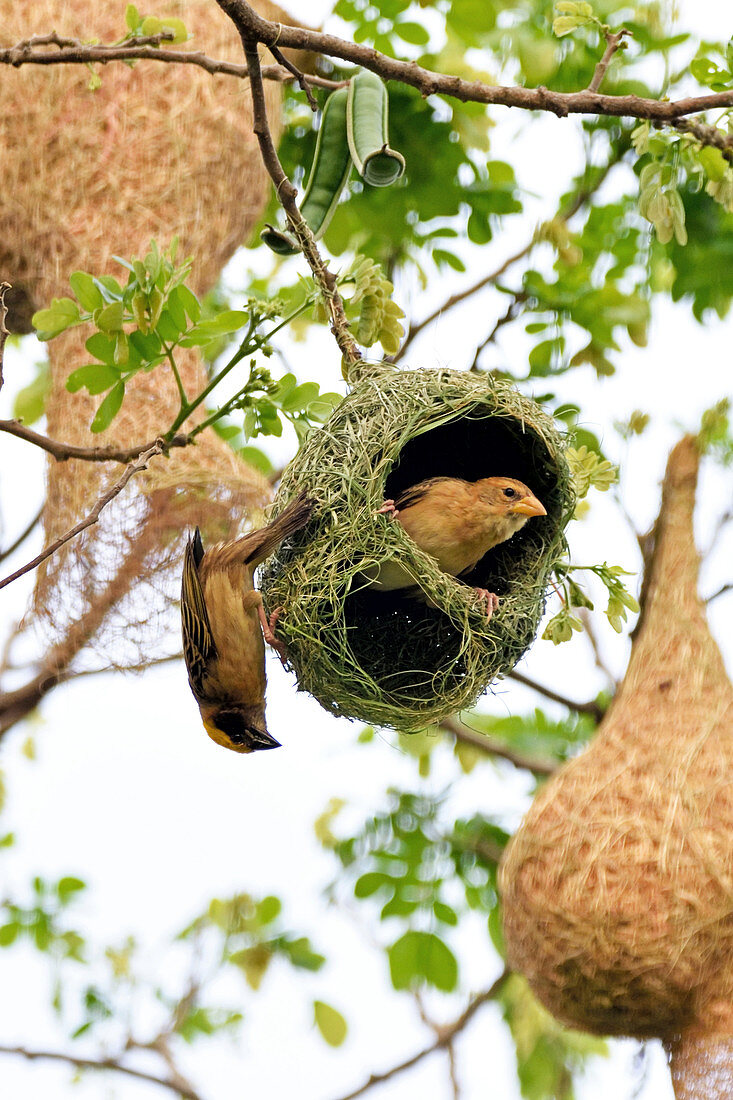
[
  {"x": 329, "y": 173},
  {"x": 366, "y": 122}
]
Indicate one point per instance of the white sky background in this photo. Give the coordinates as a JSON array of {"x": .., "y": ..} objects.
[{"x": 128, "y": 793}]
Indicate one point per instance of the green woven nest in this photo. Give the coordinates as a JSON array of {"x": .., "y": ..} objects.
[{"x": 379, "y": 657}]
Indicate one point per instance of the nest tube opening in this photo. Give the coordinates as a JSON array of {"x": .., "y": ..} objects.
[{"x": 384, "y": 658}]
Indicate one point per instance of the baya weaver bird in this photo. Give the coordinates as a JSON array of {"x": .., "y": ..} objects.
[
  {"x": 225, "y": 629},
  {"x": 456, "y": 522}
]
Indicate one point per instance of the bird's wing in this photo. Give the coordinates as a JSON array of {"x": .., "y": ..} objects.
[
  {"x": 418, "y": 492},
  {"x": 199, "y": 649}
]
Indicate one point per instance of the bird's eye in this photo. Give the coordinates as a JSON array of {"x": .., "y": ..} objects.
[{"x": 510, "y": 492}]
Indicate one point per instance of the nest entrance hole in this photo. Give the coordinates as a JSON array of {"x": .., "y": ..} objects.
[{"x": 393, "y": 635}]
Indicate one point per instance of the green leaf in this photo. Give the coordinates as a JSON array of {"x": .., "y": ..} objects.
[
  {"x": 369, "y": 883},
  {"x": 299, "y": 398},
  {"x": 268, "y": 909},
  {"x": 109, "y": 408},
  {"x": 94, "y": 377},
  {"x": 110, "y": 318},
  {"x": 188, "y": 300},
  {"x": 414, "y": 33},
  {"x": 132, "y": 17},
  {"x": 167, "y": 326},
  {"x": 86, "y": 290},
  {"x": 330, "y": 1023},
  {"x": 102, "y": 347},
  {"x": 302, "y": 955},
  {"x": 445, "y": 913},
  {"x": 60, "y": 315},
  {"x": 231, "y": 320},
  {"x": 9, "y": 933},
  {"x": 496, "y": 930},
  {"x": 30, "y": 402},
  {"x": 257, "y": 458},
  {"x": 422, "y": 956},
  {"x": 713, "y": 162},
  {"x": 68, "y": 886}
]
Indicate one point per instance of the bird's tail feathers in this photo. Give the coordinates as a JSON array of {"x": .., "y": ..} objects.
[{"x": 258, "y": 545}]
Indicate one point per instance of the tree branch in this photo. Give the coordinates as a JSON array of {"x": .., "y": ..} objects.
[
  {"x": 566, "y": 212},
  {"x": 4, "y": 288},
  {"x": 614, "y": 42},
  {"x": 177, "y": 1086},
  {"x": 456, "y": 299},
  {"x": 134, "y": 467},
  {"x": 721, "y": 592},
  {"x": 71, "y": 51},
  {"x": 493, "y": 747},
  {"x": 22, "y": 536},
  {"x": 64, "y": 451},
  {"x": 518, "y": 298},
  {"x": 286, "y": 194},
  {"x": 706, "y": 135},
  {"x": 253, "y": 26},
  {"x": 591, "y": 707},
  {"x": 444, "y": 1037}
]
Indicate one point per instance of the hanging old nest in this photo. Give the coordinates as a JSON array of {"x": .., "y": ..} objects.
[
  {"x": 618, "y": 887},
  {"x": 158, "y": 150},
  {"x": 378, "y": 657}
]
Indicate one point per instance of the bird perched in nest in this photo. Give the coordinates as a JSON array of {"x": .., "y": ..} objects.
[
  {"x": 456, "y": 522},
  {"x": 224, "y": 624}
]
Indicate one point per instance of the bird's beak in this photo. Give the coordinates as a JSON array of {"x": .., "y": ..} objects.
[
  {"x": 262, "y": 740},
  {"x": 529, "y": 506}
]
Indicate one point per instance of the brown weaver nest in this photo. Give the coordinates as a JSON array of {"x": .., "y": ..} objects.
[{"x": 391, "y": 660}]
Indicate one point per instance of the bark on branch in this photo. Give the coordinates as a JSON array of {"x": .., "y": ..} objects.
[
  {"x": 62, "y": 452},
  {"x": 587, "y": 102}
]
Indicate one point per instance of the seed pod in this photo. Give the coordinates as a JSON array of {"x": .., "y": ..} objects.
[
  {"x": 330, "y": 171},
  {"x": 366, "y": 123}
]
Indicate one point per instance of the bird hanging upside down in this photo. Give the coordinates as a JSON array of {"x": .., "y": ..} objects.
[
  {"x": 224, "y": 623},
  {"x": 456, "y": 522}
]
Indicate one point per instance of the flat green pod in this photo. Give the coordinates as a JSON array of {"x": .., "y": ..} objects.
[
  {"x": 368, "y": 131},
  {"x": 380, "y": 657},
  {"x": 328, "y": 176}
]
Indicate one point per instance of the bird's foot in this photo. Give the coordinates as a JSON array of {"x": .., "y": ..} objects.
[
  {"x": 268, "y": 632},
  {"x": 490, "y": 599},
  {"x": 387, "y": 509}
]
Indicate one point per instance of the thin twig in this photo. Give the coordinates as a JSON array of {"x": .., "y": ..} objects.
[
  {"x": 253, "y": 26},
  {"x": 453, "y": 1071},
  {"x": 614, "y": 42},
  {"x": 71, "y": 51},
  {"x": 456, "y": 299},
  {"x": 720, "y": 592},
  {"x": 517, "y": 299},
  {"x": 444, "y": 1037},
  {"x": 64, "y": 451},
  {"x": 590, "y": 633},
  {"x": 104, "y": 1064},
  {"x": 591, "y": 707},
  {"x": 408, "y": 72},
  {"x": 134, "y": 467},
  {"x": 493, "y": 747},
  {"x": 487, "y": 850},
  {"x": 579, "y": 200},
  {"x": 301, "y": 78},
  {"x": 287, "y": 195},
  {"x": 705, "y": 134},
  {"x": 4, "y": 288},
  {"x": 22, "y": 536}
]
